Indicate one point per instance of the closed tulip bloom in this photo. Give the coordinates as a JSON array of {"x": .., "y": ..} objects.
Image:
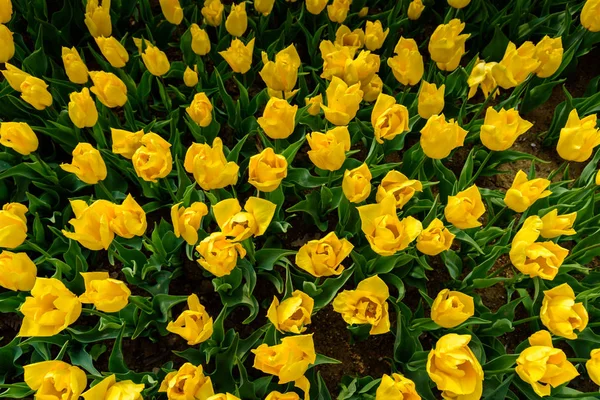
[
  {"x": 345, "y": 37},
  {"x": 172, "y": 11},
  {"x": 223, "y": 396},
  {"x": 395, "y": 183},
  {"x": 356, "y": 184},
  {"x": 18, "y": 136},
  {"x": 200, "y": 40},
  {"x": 407, "y": 65},
  {"x": 387, "y": 234},
  {"x": 431, "y": 100},
  {"x": 465, "y": 208},
  {"x": 6, "y": 11},
  {"x": 372, "y": 89},
  {"x": 278, "y": 119},
  {"x": 13, "y": 225},
  {"x": 35, "y": 92},
  {"x": 323, "y": 257},
  {"x": 435, "y": 239},
  {"x": 209, "y": 165},
  {"x": 365, "y": 305},
  {"x": 55, "y": 380},
  {"x": 97, "y": 18},
  {"x": 292, "y": 314},
  {"x": 396, "y": 386},
  {"x": 82, "y": 109},
  {"x": 106, "y": 294},
  {"x": 187, "y": 221},
  {"x": 482, "y": 77},
  {"x": 14, "y": 76},
  {"x": 593, "y": 366},
  {"x": 49, "y": 310},
  {"x": 439, "y": 137},
  {"x": 237, "y": 20},
  {"x": 447, "y": 45},
  {"x": 189, "y": 382},
  {"x": 375, "y": 35},
  {"x": 213, "y": 12},
  {"x": 328, "y": 150},
  {"x": 363, "y": 12},
  {"x": 275, "y": 395},
  {"x": 578, "y": 138},
  {"x": 549, "y": 52},
  {"x": 190, "y": 76},
  {"x": 314, "y": 104},
  {"x": 598, "y": 178},
  {"x": 126, "y": 143},
  {"x": 388, "y": 118},
  {"x": 555, "y": 225},
  {"x": 362, "y": 69},
  {"x": 17, "y": 271},
  {"x": 110, "y": 90},
  {"x": 459, "y": 3},
  {"x": 450, "y": 309},
  {"x": 130, "y": 219},
  {"x": 523, "y": 192},
  {"x": 415, "y": 9},
  {"x": 154, "y": 59},
  {"x": 219, "y": 254},
  {"x": 338, "y": 10},
  {"x": 87, "y": 164},
  {"x": 92, "y": 224},
  {"x": 315, "y": 7},
  {"x": 240, "y": 225},
  {"x": 75, "y": 68},
  {"x": 266, "y": 6},
  {"x": 590, "y": 15},
  {"x": 560, "y": 314},
  {"x": 266, "y": 170},
  {"x": 193, "y": 324},
  {"x": 543, "y": 366},
  {"x": 239, "y": 56},
  {"x": 7, "y": 44},
  {"x": 153, "y": 160},
  {"x": 113, "y": 51},
  {"x": 200, "y": 111},
  {"x": 501, "y": 129},
  {"x": 110, "y": 389},
  {"x": 342, "y": 102},
  {"x": 281, "y": 75},
  {"x": 516, "y": 65},
  {"x": 452, "y": 354}
]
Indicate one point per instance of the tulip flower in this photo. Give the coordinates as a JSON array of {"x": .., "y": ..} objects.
[
  {"x": 113, "y": 51},
  {"x": 275, "y": 395},
  {"x": 219, "y": 254},
  {"x": 435, "y": 239},
  {"x": 187, "y": 382},
  {"x": 238, "y": 55},
  {"x": 82, "y": 109},
  {"x": 314, "y": 104},
  {"x": 396, "y": 386},
  {"x": 465, "y": 208},
  {"x": 336, "y": 59},
  {"x": 431, "y": 100},
  {"x": 281, "y": 75},
  {"x": 126, "y": 143},
  {"x": 356, "y": 184},
  {"x": 482, "y": 77},
  {"x": 110, "y": 90},
  {"x": 266, "y": 170},
  {"x": 279, "y": 118},
  {"x": 415, "y": 9},
  {"x": 172, "y": 11},
  {"x": 13, "y": 224},
  {"x": 338, "y": 10},
  {"x": 213, "y": 12},
  {"x": 439, "y": 137},
  {"x": 447, "y": 44},
  {"x": 516, "y": 65},
  {"x": 106, "y": 294},
  {"x": 362, "y": 69},
  {"x": 593, "y": 366},
  {"x": 578, "y": 138},
  {"x": 193, "y": 324},
  {"x": 187, "y": 221},
  {"x": 209, "y": 165},
  {"x": 555, "y": 225},
  {"x": 407, "y": 65},
  {"x": 328, "y": 150},
  {"x": 153, "y": 159},
  {"x": 7, "y": 44},
  {"x": 316, "y": 7},
  {"x": 97, "y": 18},
  {"x": 87, "y": 164},
  {"x": 292, "y": 314},
  {"x": 560, "y": 314},
  {"x": 450, "y": 309},
  {"x": 200, "y": 111},
  {"x": 110, "y": 389},
  {"x": 345, "y": 37},
  {"x": 395, "y": 183},
  {"x": 154, "y": 59},
  {"x": 190, "y": 76},
  {"x": 14, "y": 76},
  {"x": 372, "y": 89},
  {"x": 130, "y": 219},
  {"x": 342, "y": 102},
  {"x": 501, "y": 129},
  {"x": 459, "y": 3},
  {"x": 35, "y": 92},
  {"x": 549, "y": 52},
  {"x": 375, "y": 35},
  {"x": 48, "y": 378},
  {"x": 388, "y": 118},
  {"x": 590, "y": 18},
  {"x": 323, "y": 257},
  {"x": 17, "y": 271},
  {"x": 75, "y": 68},
  {"x": 92, "y": 224},
  {"x": 18, "y": 136},
  {"x": 223, "y": 396},
  {"x": 200, "y": 40},
  {"x": 523, "y": 192},
  {"x": 6, "y": 11},
  {"x": 237, "y": 20},
  {"x": 239, "y": 224}
]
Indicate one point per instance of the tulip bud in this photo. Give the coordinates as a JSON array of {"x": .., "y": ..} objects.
[
  {"x": 153, "y": 159},
  {"x": 465, "y": 208},
  {"x": 593, "y": 366},
  {"x": 316, "y": 7},
  {"x": 75, "y": 68},
  {"x": 501, "y": 129},
  {"x": 266, "y": 6},
  {"x": 388, "y": 118},
  {"x": 431, "y": 99},
  {"x": 82, "y": 109},
  {"x": 578, "y": 138},
  {"x": 516, "y": 65},
  {"x": 14, "y": 76},
  {"x": 97, "y": 18},
  {"x": 6, "y": 11},
  {"x": 237, "y": 20},
  {"x": 87, "y": 164},
  {"x": 356, "y": 184},
  {"x": 396, "y": 386},
  {"x": 17, "y": 271},
  {"x": 549, "y": 52},
  {"x": 113, "y": 51},
  {"x": 239, "y": 56},
  {"x": 314, "y": 104},
  {"x": 18, "y": 136},
  {"x": 125, "y": 143},
  {"x": 338, "y": 10},
  {"x": 482, "y": 76},
  {"x": 439, "y": 137},
  {"x": 278, "y": 119},
  {"x": 375, "y": 35},
  {"x": 154, "y": 59},
  {"x": 190, "y": 76},
  {"x": 363, "y": 12},
  {"x": 323, "y": 257},
  {"x": 560, "y": 314},
  {"x": 292, "y": 314},
  {"x": 48, "y": 378},
  {"x": 373, "y": 89},
  {"x": 241, "y": 225},
  {"x": 415, "y": 9},
  {"x": 450, "y": 309},
  {"x": 209, "y": 165},
  {"x": 523, "y": 192},
  {"x": 92, "y": 224},
  {"x": 106, "y": 294},
  {"x": 200, "y": 111},
  {"x": 172, "y": 11},
  {"x": 447, "y": 45},
  {"x": 342, "y": 102},
  {"x": 396, "y": 184},
  {"x": 266, "y": 170},
  {"x": 110, "y": 389},
  {"x": 193, "y": 324},
  {"x": 187, "y": 221},
  {"x": 110, "y": 90},
  {"x": 35, "y": 92},
  {"x": 328, "y": 150},
  {"x": 435, "y": 239},
  {"x": 7, "y": 44},
  {"x": 459, "y": 3},
  {"x": 590, "y": 15},
  {"x": 345, "y": 37},
  {"x": 200, "y": 40},
  {"x": 218, "y": 254},
  {"x": 213, "y": 12},
  {"x": 407, "y": 65},
  {"x": 187, "y": 382},
  {"x": 129, "y": 220},
  {"x": 13, "y": 224}
]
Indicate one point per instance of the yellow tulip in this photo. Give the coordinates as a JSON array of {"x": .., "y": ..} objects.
[
  {"x": 239, "y": 224},
  {"x": 130, "y": 219},
  {"x": 388, "y": 118},
  {"x": 55, "y": 380},
  {"x": 549, "y": 52},
  {"x": 482, "y": 77},
  {"x": 49, "y": 310},
  {"x": 314, "y": 104},
  {"x": 578, "y": 138},
  {"x": 187, "y": 382},
  {"x": 555, "y": 225},
  {"x": 372, "y": 89},
  {"x": 35, "y": 92},
  {"x": 323, "y": 257},
  {"x": 315, "y": 7},
  {"x": 6, "y": 11},
  {"x": 356, "y": 184},
  {"x": 18, "y": 136},
  {"x": 396, "y": 184},
  {"x": 501, "y": 129},
  {"x": 213, "y": 12},
  {"x": 292, "y": 314},
  {"x": 126, "y": 143},
  {"x": 238, "y": 55},
  {"x": 193, "y": 324},
  {"x": 336, "y": 59},
  {"x": 266, "y": 170},
  {"x": 219, "y": 254},
  {"x": 598, "y": 178},
  {"x": 407, "y": 65},
  {"x": 237, "y": 20},
  {"x": 7, "y": 44},
  {"x": 278, "y": 119},
  {"x": 516, "y": 65},
  {"x": 375, "y": 35},
  {"x": 439, "y": 137},
  {"x": 153, "y": 159},
  {"x": 593, "y": 366},
  {"x": 387, "y": 234},
  {"x": 447, "y": 45},
  {"x": 82, "y": 109},
  {"x": 281, "y": 75},
  {"x": 87, "y": 164},
  {"x": 338, "y": 10},
  {"x": 223, "y": 396},
  {"x": 396, "y": 386},
  {"x": 113, "y": 51},
  {"x": 590, "y": 15},
  {"x": 431, "y": 100},
  {"x": 110, "y": 389},
  {"x": 523, "y": 192},
  {"x": 328, "y": 150},
  {"x": 13, "y": 224},
  {"x": 560, "y": 314},
  {"x": 209, "y": 165},
  {"x": 190, "y": 76},
  {"x": 172, "y": 11},
  {"x": 106, "y": 294},
  {"x": 363, "y": 12},
  {"x": 465, "y": 208},
  {"x": 435, "y": 239},
  {"x": 450, "y": 309},
  {"x": 14, "y": 76},
  {"x": 97, "y": 18},
  {"x": 187, "y": 221},
  {"x": 200, "y": 111},
  {"x": 362, "y": 69},
  {"x": 458, "y": 3},
  {"x": 451, "y": 354},
  {"x": 365, "y": 305},
  {"x": 415, "y": 9},
  {"x": 264, "y": 6},
  {"x": 110, "y": 90},
  {"x": 342, "y": 102},
  {"x": 200, "y": 40},
  {"x": 543, "y": 366},
  {"x": 17, "y": 271},
  {"x": 345, "y": 37},
  {"x": 92, "y": 224},
  {"x": 75, "y": 68},
  {"x": 154, "y": 59},
  {"x": 275, "y": 395}
]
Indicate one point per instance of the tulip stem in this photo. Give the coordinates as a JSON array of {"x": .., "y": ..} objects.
[
  {"x": 500, "y": 371},
  {"x": 482, "y": 107},
  {"x": 593, "y": 324},
  {"x": 525, "y": 320},
  {"x": 38, "y": 249},
  {"x": 404, "y": 93},
  {"x": 577, "y": 360},
  {"x": 106, "y": 191},
  {"x": 582, "y": 251},
  {"x": 498, "y": 214},
  {"x": 168, "y": 189},
  {"x": 480, "y": 169},
  {"x": 329, "y": 179}
]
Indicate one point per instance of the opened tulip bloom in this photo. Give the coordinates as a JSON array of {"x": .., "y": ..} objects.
[
  {"x": 172, "y": 11},
  {"x": 292, "y": 314},
  {"x": 219, "y": 254},
  {"x": 17, "y": 271},
  {"x": 342, "y": 102},
  {"x": 223, "y": 396},
  {"x": 555, "y": 225},
  {"x": 275, "y": 395},
  {"x": 113, "y": 51},
  {"x": 240, "y": 225},
  {"x": 560, "y": 314},
  {"x": 590, "y": 15},
  {"x": 266, "y": 6},
  {"x": 210, "y": 167},
  {"x": 125, "y": 143},
  {"x": 18, "y": 136},
  {"x": 193, "y": 324},
  {"x": 200, "y": 111},
  {"x": 106, "y": 294},
  {"x": 75, "y": 68},
  {"x": 266, "y": 170},
  {"x": 593, "y": 366},
  {"x": 239, "y": 55},
  {"x": 187, "y": 221},
  {"x": 516, "y": 65},
  {"x": 110, "y": 389},
  {"x": 129, "y": 220},
  {"x": 345, "y": 37},
  {"x": 328, "y": 150},
  {"x": 439, "y": 137},
  {"x": 152, "y": 160},
  {"x": 501, "y": 129},
  {"x": 92, "y": 224},
  {"x": 200, "y": 40},
  {"x": 188, "y": 382},
  {"x": 431, "y": 99},
  {"x": 356, "y": 184},
  {"x": 524, "y": 192},
  {"x": 395, "y": 183},
  {"x": 465, "y": 208},
  {"x": 550, "y": 53},
  {"x": 97, "y": 18},
  {"x": 450, "y": 308},
  {"x": 213, "y": 12},
  {"x": 278, "y": 119},
  {"x": 13, "y": 225},
  {"x": 48, "y": 378},
  {"x": 87, "y": 164},
  {"x": 407, "y": 64},
  {"x": 578, "y": 138},
  {"x": 154, "y": 59},
  {"x": 338, "y": 10},
  {"x": 435, "y": 239},
  {"x": 110, "y": 90},
  {"x": 396, "y": 386},
  {"x": 237, "y": 20},
  {"x": 482, "y": 77},
  {"x": 35, "y": 92},
  {"x": 415, "y": 9},
  {"x": 447, "y": 45},
  {"x": 388, "y": 118},
  {"x": 324, "y": 257},
  {"x": 82, "y": 109}
]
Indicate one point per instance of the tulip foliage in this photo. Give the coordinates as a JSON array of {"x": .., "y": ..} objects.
[{"x": 224, "y": 184}]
